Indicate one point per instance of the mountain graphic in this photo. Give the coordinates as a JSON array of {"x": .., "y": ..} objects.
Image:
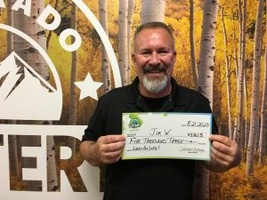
[{"x": 24, "y": 94}]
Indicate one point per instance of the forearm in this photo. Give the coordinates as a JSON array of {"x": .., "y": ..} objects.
[{"x": 89, "y": 153}]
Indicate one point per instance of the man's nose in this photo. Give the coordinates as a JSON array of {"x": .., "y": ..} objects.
[{"x": 154, "y": 59}]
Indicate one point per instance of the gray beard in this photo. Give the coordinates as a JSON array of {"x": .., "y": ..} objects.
[{"x": 155, "y": 85}]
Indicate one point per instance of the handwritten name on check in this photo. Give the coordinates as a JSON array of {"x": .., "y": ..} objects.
[{"x": 167, "y": 135}]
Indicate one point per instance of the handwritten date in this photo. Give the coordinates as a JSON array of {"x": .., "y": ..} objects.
[{"x": 197, "y": 124}]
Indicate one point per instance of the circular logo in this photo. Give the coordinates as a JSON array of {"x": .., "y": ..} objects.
[{"x": 24, "y": 93}]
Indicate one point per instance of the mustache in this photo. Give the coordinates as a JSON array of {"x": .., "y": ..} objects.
[{"x": 154, "y": 69}]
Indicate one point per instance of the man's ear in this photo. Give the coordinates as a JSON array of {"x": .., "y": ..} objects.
[
  {"x": 133, "y": 57},
  {"x": 174, "y": 56}
]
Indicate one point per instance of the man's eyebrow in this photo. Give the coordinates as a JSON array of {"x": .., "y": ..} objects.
[
  {"x": 165, "y": 48},
  {"x": 145, "y": 50}
]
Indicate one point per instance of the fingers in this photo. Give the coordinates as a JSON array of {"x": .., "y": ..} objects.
[
  {"x": 224, "y": 151},
  {"x": 221, "y": 139},
  {"x": 108, "y": 139},
  {"x": 221, "y": 158},
  {"x": 110, "y": 148},
  {"x": 224, "y": 144}
]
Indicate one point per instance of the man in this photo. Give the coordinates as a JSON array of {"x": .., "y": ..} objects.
[{"x": 154, "y": 90}]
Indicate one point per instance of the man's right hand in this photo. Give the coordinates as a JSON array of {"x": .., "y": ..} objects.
[{"x": 106, "y": 150}]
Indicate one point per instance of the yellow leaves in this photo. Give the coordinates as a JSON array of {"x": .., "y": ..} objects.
[{"x": 235, "y": 185}]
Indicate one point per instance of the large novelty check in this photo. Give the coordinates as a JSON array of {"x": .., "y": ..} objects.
[{"x": 167, "y": 135}]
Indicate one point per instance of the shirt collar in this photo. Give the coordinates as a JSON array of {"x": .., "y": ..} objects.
[{"x": 174, "y": 99}]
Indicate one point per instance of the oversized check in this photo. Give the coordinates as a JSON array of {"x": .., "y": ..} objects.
[{"x": 167, "y": 135}]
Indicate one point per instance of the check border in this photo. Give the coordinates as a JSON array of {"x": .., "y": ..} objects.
[{"x": 167, "y": 135}]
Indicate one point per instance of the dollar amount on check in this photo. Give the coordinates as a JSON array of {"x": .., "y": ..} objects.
[{"x": 167, "y": 135}]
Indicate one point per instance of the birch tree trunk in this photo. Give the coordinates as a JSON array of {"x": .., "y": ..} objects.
[
  {"x": 207, "y": 50},
  {"x": 205, "y": 84},
  {"x": 254, "y": 123},
  {"x": 152, "y": 11},
  {"x": 52, "y": 181},
  {"x": 246, "y": 107},
  {"x": 192, "y": 44},
  {"x": 22, "y": 47},
  {"x": 228, "y": 75},
  {"x": 13, "y": 159},
  {"x": 32, "y": 57},
  {"x": 105, "y": 65},
  {"x": 73, "y": 96},
  {"x": 72, "y": 103},
  {"x": 240, "y": 72},
  {"x": 14, "y": 168},
  {"x": 131, "y": 6},
  {"x": 10, "y": 21},
  {"x": 123, "y": 42},
  {"x": 263, "y": 124}
]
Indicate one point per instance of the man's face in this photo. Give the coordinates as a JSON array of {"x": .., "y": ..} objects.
[{"x": 154, "y": 57}]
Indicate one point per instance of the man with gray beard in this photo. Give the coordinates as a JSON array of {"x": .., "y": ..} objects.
[{"x": 153, "y": 90}]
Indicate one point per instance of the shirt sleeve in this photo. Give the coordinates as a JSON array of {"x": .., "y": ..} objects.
[{"x": 96, "y": 125}]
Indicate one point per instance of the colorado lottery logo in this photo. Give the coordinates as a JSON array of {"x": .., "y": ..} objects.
[{"x": 24, "y": 93}]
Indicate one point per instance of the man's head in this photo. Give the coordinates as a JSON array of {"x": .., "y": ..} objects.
[{"x": 154, "y": 56}]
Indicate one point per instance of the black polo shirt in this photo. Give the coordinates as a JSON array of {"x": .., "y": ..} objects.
[{"x": 145, "y": 179}]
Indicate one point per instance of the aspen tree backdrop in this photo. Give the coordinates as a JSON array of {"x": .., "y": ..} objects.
[{"x": 57, "y": 57}]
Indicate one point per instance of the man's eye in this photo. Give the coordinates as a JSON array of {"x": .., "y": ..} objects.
[
  {"x": 163, "y": 53},
  {"x": 145, "y": 54}
]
